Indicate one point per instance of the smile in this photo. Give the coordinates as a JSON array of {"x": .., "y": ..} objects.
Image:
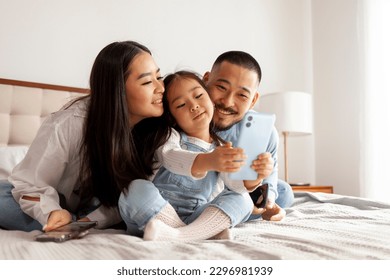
[
  {"x": 198, "y": 116},
  {"x": 226, "y": 112},
  {"x": 158, "y": 101}
]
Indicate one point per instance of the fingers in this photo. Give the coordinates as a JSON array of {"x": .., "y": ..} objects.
[
  {"x": 264, "y": 159},
  {"x": 230, "y": 151},
  {"x": 229, "y": 157},
  {"x": 266, "y": 155},
  {"x": 53, "y": 226},
  {"x": 263, "y": 165}
]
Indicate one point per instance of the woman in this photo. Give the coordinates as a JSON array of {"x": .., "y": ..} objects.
[{"x": 84, "y": 155}]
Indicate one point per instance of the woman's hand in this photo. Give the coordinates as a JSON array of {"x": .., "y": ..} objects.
[{"x": 57, "y": 218}]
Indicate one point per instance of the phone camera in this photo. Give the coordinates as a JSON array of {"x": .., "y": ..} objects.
[{"x": 248, "y": 124}]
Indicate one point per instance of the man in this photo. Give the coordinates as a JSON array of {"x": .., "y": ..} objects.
[{"x": 233, "y": 85}]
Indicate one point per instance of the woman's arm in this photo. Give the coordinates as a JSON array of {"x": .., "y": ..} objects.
[{"x": 37, "y": 176}]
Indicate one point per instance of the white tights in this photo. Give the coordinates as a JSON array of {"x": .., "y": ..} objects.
[{"x": 167, "y": 226}]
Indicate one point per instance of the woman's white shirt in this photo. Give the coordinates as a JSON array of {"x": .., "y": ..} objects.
[{"x": 52, "y": 165}]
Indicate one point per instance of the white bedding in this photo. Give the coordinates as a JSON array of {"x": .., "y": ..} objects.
[
  {"x": 318, "y": 226},
  {"x": 9, "y": 157}
]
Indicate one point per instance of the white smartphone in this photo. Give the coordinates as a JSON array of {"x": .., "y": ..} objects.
[
  {"x": 254, "y": 134},
  {"x": 70, "y": 231}
]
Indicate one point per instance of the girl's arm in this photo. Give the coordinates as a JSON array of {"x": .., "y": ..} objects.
[
  {"x": 196, "y": 164},
  {"x": 176, "y": 159},
  {"x": 222, "y": 159}
]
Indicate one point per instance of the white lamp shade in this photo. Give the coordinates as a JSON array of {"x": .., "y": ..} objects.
[{"x": 293, "y": 110}]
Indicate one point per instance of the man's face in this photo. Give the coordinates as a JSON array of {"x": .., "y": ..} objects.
[{"x": 233, "y": 89}]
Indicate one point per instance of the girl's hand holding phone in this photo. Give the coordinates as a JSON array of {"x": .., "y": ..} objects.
[{"x": 227, "y": 158}]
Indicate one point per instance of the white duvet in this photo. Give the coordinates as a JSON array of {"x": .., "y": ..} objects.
[{"x": 318, "y": 226}]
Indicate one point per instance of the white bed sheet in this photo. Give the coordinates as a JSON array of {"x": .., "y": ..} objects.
[{"x": 318, "y": 226}]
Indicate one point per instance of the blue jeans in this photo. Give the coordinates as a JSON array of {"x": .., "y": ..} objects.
[
  {"x": 285, "y": 194},
  {"x": 143, "y": 201},
  {"x": 11, "y": 215}
]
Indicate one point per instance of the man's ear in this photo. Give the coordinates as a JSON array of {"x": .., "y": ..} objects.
[
  {"x": 254, "y": 100},
  {"x": 206, "y": 77}
]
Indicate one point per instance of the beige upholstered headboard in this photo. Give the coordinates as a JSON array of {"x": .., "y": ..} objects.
[{"x": 24, "y": 105}]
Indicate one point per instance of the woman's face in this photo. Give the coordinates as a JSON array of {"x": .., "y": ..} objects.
[
  {"x": 191, "y": 107},
  {"x": 144, "y": 89}
]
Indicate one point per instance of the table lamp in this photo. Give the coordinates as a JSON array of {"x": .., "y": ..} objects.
[{"x": 293, "y": 110}]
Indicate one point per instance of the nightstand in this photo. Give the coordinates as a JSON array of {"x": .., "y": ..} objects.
[{"x": 325, "y": 189}]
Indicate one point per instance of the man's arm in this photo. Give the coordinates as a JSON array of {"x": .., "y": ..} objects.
[{"x": 272, "y": 179}]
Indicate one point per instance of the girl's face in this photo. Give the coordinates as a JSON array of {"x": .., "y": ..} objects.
[
  {"x": 144, "y": 89},
  {"x": 191, "y": 107}
]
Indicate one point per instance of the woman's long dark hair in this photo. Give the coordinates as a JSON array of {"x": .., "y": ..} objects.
[
  {"x": 169, "y": 120},
  {"x": 111, "y": 156}
]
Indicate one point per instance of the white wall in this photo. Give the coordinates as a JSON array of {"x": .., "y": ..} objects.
[
  {"x": 56, "y": 42},
  {"x": 336, "y": 87}
]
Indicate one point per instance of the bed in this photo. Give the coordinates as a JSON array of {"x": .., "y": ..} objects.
[{"x": 318, "y": 226}]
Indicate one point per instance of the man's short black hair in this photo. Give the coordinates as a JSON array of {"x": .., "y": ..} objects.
[{"x": 240, "y": 58}]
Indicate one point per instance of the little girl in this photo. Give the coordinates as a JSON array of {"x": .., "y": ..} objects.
[{"x": 188, "y": 111}]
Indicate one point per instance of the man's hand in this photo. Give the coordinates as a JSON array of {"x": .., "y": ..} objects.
[
  {"x": 263, "y": 165},
  {"x": 57, "y": 218}
]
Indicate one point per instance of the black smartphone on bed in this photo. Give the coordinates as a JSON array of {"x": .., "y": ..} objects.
[{"x": 69, "y": 231}]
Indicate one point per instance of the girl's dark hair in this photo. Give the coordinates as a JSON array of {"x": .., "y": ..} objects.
[
  {"x": 111, "y": 156},
  {"x": 242, "y": 59},
  {"x": 170, "y": 121}
]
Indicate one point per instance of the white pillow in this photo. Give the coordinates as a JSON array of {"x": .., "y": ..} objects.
[{"x": 9, "y": 157}]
